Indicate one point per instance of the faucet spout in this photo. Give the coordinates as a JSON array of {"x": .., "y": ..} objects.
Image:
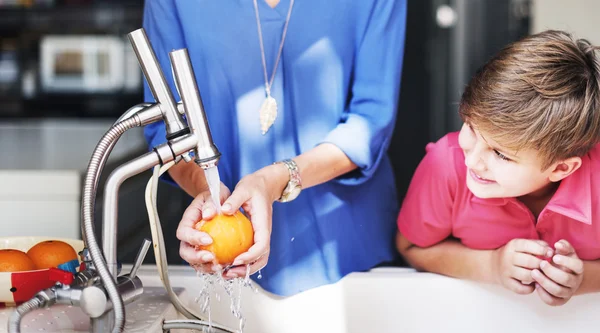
[
  {"x": 174, "y": 124},
  {"x": 206, "y": 153}
]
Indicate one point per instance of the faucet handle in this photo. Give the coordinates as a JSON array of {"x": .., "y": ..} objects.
[{"x": 139, "y": 259}]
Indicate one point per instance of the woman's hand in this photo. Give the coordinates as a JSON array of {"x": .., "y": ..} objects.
[
  {"x": 557, "y": 283},
  {"x": 191, "y": 238},
  {"x": 255, "y": 194},
  {"x": 514, "y": 262}
]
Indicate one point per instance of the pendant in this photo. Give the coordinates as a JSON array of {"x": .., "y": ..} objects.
[{"x": 268, "y": 114}]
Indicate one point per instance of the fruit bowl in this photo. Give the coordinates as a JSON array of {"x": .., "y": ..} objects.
[{"x": 18, "y": 287}]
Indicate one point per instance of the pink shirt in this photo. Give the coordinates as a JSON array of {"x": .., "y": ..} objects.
[{"x": 439, "y": 205}]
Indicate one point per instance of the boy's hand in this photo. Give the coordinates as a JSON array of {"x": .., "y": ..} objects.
[
  {"x": 555, "y": 284},
  {"x": 513, "y": 263}
]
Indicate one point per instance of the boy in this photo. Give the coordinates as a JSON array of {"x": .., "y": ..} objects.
[{"x": 514, "y": 197}]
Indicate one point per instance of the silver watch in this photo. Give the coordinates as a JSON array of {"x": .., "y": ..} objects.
[{"x": 294, "y": 185}]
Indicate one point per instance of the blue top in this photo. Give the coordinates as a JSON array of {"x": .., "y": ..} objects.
[{"x": 338, "y": 81}]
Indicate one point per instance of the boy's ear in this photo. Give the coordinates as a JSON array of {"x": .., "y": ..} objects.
[{"x": 564, "y": 168}]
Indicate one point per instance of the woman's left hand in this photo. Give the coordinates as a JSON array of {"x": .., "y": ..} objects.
[{"x": 256, "y": 193}]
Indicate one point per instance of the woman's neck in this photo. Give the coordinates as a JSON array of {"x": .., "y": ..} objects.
[{"x": 272, "y": 3}]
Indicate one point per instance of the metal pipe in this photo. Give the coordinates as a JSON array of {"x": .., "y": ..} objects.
[
  {"x": 198, "y": 325},
  {"x": 207, "y": 154},
  {"x": 99, "y": 157},
  {"x": 174, "y": 123},
  {"x": 111, "y": 195}
]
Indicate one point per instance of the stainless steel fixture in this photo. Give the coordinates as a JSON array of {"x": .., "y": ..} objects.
[{"x": 98, "y": 289}]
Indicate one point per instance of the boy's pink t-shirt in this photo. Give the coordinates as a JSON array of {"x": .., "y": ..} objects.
[{"x": 439, "y": 205}]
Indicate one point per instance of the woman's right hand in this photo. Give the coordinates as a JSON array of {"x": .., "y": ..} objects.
[
  {"x": 191, "y": 238},
  {"x": 512, "y": 264}
]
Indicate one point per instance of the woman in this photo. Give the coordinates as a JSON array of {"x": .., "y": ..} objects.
[{"x": 333, "y": 69}]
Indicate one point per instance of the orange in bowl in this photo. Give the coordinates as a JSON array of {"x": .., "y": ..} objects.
[
  {"x": 15, "y": 261},
  {"x": 51, "y": 253},
  {"x": 232, "y": 235}
]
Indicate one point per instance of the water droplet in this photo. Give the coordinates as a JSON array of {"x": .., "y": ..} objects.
[
  {"x": 259, "y": 275},
  {"x": 41, "y": 329},
  {"x": 49, "y": 323},
  {"x": 291, "y": 240}
]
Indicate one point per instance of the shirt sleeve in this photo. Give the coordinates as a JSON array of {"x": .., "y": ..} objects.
[
  {"x": 365, "y": 131},
  {"x": 164, "y": 32},
  {"x": 425, "y": 217}
]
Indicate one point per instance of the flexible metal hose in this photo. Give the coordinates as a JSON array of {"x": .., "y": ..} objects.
[
  {"x": 14, "y": 322},
  {"x": 97, "y": 162},
  {"x": 198, "y": 325}
]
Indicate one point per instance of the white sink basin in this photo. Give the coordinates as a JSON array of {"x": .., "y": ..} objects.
[
  {"x": 394, "y": 300},
  {"x": 383, "y": 300}
]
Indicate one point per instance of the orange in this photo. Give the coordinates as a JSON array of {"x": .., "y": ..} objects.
[
  {"x": 232, "y": 235},
  {"x": 15, "y": 261},
  {"x": 51, "y": 253}
]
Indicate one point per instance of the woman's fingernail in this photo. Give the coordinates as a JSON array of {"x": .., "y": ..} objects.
[
  {"x": 236, "y": 262},
  {"x": 549, "y": 253},
  {"x": 207, "y": 211},
  {"x": 227, "y": 207},
  {"x": 205, "y": 240},
  {"x": 207, "y": 257},
  {"x": 535, "y": 273},
  {"x": 543, "y": 264}
]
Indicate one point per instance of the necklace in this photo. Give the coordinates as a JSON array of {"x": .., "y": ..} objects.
[{"x": 268, "y": 109}]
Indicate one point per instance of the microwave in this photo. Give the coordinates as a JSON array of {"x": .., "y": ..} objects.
[{"x": 87, "y": 64}]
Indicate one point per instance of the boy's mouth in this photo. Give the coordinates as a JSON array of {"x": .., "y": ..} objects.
[{"x": 480, "y": 179}]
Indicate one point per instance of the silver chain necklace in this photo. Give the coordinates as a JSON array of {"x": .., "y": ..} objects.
[{"x": 268, "y": 109}]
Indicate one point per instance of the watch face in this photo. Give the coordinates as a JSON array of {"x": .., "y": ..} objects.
[{"x": 293, "y": 194}]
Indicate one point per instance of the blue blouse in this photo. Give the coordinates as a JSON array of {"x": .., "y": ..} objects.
[{"x": 338, "y": 81}]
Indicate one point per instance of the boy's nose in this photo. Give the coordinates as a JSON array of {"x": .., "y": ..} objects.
[{"x": 474, "y": 161}]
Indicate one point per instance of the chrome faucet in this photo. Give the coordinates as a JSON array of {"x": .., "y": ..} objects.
[{"x": 98, "y": 289}]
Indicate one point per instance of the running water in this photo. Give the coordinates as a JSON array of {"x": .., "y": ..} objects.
[
  {"x": 214, "y": 185},
  {"x": 233, "y": 289}
]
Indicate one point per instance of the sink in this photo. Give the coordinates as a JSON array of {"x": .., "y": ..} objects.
[
  {"x": 392, "y": 300},
  {"x": 382, "y": 300}
]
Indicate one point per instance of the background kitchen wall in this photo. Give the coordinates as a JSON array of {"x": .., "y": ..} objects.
[{"x": 67, "y": 73}]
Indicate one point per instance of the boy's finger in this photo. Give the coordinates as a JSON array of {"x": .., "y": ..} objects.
[
  {"x": 574, "y": 264},
  {"x": 550, "y": 286},
  {"x": 558, "y": 275},
  {"x": 532, "y": 247},
  {"x": 521, "y": 274},
  {"x": 526, "y": 260},
  {"x": 547, "y": 298},
  {"x": 564, "y": 247},
  {"x": 519, "y": 288}
]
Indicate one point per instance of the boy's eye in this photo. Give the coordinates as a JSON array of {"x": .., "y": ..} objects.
[{"x": 501, "y": 156}]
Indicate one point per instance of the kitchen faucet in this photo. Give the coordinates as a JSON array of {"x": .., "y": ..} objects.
[{"x": 98, "y": 289}]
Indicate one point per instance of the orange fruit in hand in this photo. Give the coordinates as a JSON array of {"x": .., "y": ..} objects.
[
  {"x": 232, "y": 235},
  {"x": 51, "y": 253},
  {"x": 15, "y": 261}
]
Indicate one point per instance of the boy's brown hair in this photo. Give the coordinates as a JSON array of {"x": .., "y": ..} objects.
[{"x": 540, "y": 93}]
